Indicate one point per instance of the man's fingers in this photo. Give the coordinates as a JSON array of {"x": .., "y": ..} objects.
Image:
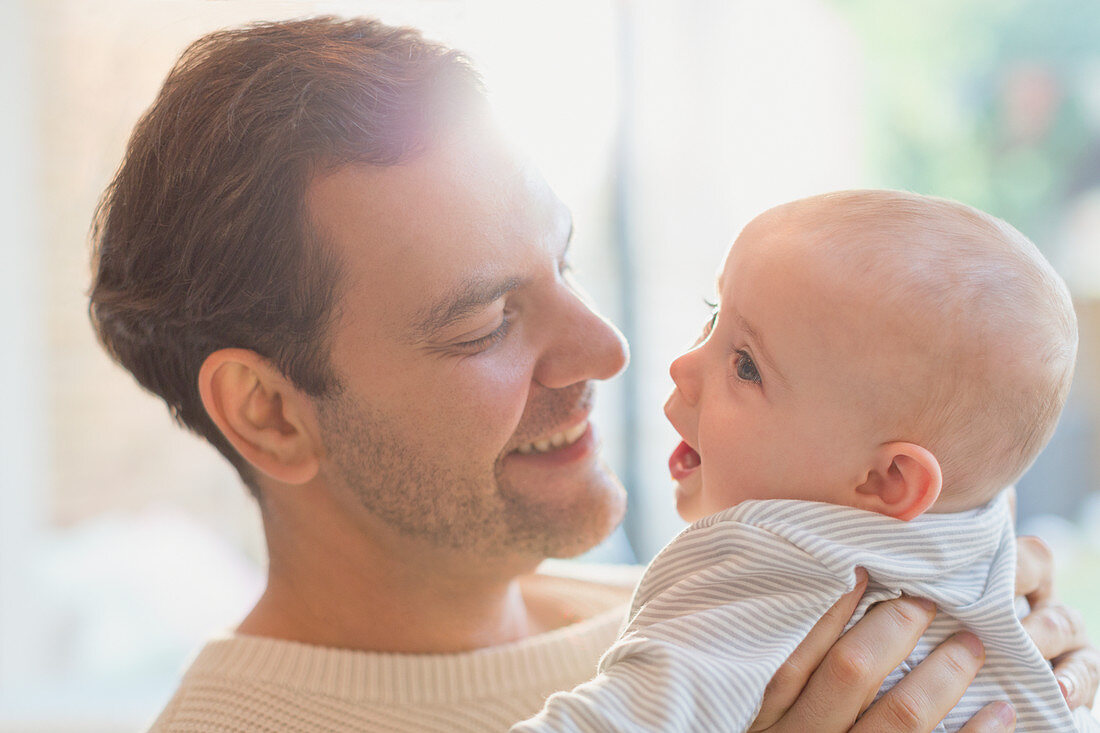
[
  {"x": 856, "y": 665},
  {"x": 924, "y": 696},
  {"x": 1056, "y": 629},
  {"x": 789, "y": 680},
  {"x": 1034, "y": 571},
  {"x": 996, "y": 717},
  {"x": 1079, "y": 675}
]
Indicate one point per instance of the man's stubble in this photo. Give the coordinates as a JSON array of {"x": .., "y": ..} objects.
[{"x": 450, "y": 501}]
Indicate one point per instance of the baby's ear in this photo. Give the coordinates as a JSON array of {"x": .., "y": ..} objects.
[{"x": 904, "y": 481}]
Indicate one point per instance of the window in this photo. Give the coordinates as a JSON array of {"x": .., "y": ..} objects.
[{"x": 124, "y": 541}]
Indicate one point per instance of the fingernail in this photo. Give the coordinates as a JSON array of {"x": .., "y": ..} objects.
[
  {"x": 1005, "y": 713},
  {"x": 971, "y": 642},
  {"x": 1066, "y": 683}
]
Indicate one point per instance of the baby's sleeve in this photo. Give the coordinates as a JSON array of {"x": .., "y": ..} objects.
[{"x": 715, "y": 615}]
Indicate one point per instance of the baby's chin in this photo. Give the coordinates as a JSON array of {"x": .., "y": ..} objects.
[{"x": 689, "y": 499}]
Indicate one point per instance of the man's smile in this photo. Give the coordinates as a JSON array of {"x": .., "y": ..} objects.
[{"x": 556, "y": 440}]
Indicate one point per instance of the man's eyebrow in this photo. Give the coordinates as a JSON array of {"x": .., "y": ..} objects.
[
  {"x": 754, "y": 336},
  {"x": 464, "y": 300}
]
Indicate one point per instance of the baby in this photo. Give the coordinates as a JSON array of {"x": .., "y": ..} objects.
[{"x": 880, "y": 366}]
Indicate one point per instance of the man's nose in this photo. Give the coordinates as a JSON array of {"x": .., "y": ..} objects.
[
  {"x": 584, "y": 346},
  {"x": 685, "y": 374}
]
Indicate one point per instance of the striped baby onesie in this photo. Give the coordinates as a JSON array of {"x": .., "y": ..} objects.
[{"x": 727, "y": 601}]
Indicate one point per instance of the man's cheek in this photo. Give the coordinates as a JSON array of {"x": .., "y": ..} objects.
[{"x": 502, "y": 388}]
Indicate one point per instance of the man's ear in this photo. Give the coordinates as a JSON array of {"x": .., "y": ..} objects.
[
  {"x": 270, "y": 423},
  {"x": 905, "y": 481}
]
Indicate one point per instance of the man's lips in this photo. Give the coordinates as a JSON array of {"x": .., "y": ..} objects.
[
  {"x": 683, "y": 461},
  {"x": 554, "y": 441},
  {"x": 572, "y": 446}
]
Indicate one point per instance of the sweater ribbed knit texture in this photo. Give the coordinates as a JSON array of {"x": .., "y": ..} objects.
[{"x": 240, "y": 683}]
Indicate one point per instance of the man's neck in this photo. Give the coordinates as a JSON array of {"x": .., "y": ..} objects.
[{"x": 330, "y": 585}]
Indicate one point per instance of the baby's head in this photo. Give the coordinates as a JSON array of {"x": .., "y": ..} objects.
[{"x": 877, "y": 349}]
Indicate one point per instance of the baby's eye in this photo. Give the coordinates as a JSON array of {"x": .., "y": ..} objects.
[{"x": 746, "y": 367}]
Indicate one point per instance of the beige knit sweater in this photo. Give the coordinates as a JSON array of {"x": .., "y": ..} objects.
[{"x": 242, "y": 683}]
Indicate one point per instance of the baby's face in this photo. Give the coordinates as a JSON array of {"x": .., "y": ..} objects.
[{"x": 773, "y": 401}]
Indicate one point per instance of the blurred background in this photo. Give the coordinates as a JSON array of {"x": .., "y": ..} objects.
[{"x": 124, "y": 541}]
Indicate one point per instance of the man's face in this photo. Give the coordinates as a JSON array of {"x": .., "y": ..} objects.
[
  {"x": 466, "y": 356},
  {"x": 776, "y": 401}
]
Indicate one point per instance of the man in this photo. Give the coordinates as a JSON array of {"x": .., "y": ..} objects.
[{"x": 324, "y": 260}]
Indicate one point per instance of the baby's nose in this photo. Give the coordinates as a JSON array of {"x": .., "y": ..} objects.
[{"x": 685, "y": 374}]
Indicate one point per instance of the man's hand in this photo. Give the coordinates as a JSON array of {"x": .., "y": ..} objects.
[
  {"x": 830, "y": 679},
  {"x": 1057, "y": 630}
]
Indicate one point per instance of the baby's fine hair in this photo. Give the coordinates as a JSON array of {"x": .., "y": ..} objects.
[{"x": 1000, "y": 360}]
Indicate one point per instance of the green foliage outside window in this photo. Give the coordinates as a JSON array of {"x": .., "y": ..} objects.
[{"x": 993, "y": 102}]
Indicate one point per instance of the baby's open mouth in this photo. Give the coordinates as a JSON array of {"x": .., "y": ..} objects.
[{"x": 683, "y": 461}]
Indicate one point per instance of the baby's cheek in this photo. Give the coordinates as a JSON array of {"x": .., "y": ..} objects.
[{"x": 722, "y": 488}]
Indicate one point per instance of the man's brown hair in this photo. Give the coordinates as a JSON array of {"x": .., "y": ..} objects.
[{"x": 202, "y": 240}]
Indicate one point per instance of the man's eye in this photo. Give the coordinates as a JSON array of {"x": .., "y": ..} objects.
[
  {"x": 490, "y": 339},
  {"x": 745, "y": 367}
]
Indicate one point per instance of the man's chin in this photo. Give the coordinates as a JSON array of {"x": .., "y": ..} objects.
[
  {"x": 601, "y": 518},
  {"x": 578, "y": 519}
]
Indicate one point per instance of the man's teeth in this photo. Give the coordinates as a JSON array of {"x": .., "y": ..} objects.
[{"x": 555, "y": 441}]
